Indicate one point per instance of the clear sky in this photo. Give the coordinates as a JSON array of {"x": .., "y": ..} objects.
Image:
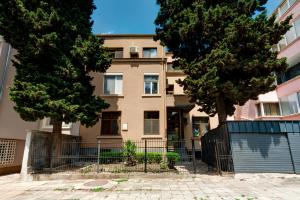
[{"x": 133, "y": 16}]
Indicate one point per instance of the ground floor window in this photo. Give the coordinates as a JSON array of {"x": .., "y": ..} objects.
[
  {"x": 111, "y": 123},
  {"x": 151, "y": 122},
  {"x": 200, "y": 125},
  {"x": 271, "y": 109}
]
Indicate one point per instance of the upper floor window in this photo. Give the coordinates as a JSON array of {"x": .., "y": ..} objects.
[
  {"x": 149, "y": 52},
  {"x": 113, "y": 84},
  {"x": 151, "y": 84},
  {"x": 285, "y": 6},
  {"x": 290, "y": 104},
  {"x": 116, "y": 52},
  {"x": 289, "y": 37},
  {"x": 111, "y": 123},
  {"x": 48, "y": 123},
  {"x": 268, "y": 109},
  {"x": 271, "y": 109}
]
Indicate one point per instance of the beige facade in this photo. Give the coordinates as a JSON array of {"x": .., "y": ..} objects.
[
  {"x": 134, "y": 62},
  {"x": 12, "y": 128}
]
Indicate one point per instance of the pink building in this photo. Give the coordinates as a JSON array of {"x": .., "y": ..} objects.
[{"x": 284, "y": 102}]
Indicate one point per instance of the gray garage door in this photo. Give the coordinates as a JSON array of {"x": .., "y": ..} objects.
[
  {"x": 261, "y": 152},
  {"x": 294, "y": 139}
]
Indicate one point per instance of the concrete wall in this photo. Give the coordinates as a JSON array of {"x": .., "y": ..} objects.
[{"x": 11, "y": 125}]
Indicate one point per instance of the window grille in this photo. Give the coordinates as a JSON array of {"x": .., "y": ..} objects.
[{"x": 7, "y": 151}]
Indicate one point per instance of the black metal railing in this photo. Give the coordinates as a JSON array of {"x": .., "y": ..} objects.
[
  {"x": 149, "y": 155},
  {"x": 216, "y": 151}
]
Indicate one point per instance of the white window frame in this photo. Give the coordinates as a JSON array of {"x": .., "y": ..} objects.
[
  {"x": 151, "y": 74},
  {"x": 46, "y": 124},
  {"x": 148, "y": 48},
  {"x": 113, "y": 74}
]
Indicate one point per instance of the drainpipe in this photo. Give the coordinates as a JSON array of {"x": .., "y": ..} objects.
[
  {"x": 5, "y": 70},
  {"x": 164, "y": 91}
]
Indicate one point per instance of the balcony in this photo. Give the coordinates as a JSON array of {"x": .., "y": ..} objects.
[
  {"x": 179, "y": 101},
  {"x": 171, "y": 68}
]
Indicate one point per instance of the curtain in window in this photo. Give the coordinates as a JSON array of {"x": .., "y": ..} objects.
[{"x": 109, "y": 85}]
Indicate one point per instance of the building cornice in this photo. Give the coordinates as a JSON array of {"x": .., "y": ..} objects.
[{"x": 139, "y": 60}]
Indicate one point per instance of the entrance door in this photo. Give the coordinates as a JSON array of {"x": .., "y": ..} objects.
[
  {"x": 175, "y": 130},
  {"x": 174, "y": 125}
]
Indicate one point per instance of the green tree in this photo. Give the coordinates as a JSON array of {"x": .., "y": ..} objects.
[
  {"x": 56, "y": 51},
  {"x": 224, "y": 48}
]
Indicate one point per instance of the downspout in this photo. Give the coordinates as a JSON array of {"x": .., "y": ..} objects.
[
  {"x": 5, "y": 70},
  {"x": 164, "y": 91}
]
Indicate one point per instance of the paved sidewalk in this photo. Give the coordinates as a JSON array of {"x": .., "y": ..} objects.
[{"x": 200, "y": 187}]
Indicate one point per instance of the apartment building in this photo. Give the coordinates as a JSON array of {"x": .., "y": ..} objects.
[
  {"x": 145, "y": 100},
  {"x": 140, "y": 86},
  {"x": 12, "y": 128},
  {"x": 284, "y": 102}
]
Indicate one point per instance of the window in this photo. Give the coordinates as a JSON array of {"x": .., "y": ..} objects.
[
  {"x": 297, "y": 26},
  {"x": 113, "y": 84},
  {"x": 200, "y": 125},
  {"x": 282, "y": 43},
  {"x": 111, "y": 123},
  {"x": 151, "y": 122},
  {"x": 151, "y": 84},
  {"x": 289, "y": 104},
  {"x": 117, "y": 52},
  {"x": 170, "y": 89},
  {"x": 149, "y": 52},
  {"x": 258, "y": 110},
  {"x": 290, "y": 35},
  {"x": 284, "y": 7},
  {"x": 7, "y": 151},
  {"x": 271, "y": 109},
  {"x": 48, "y": 123}
]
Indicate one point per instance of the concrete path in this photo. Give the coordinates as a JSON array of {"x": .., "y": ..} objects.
[{"x": 195, "y": 187}]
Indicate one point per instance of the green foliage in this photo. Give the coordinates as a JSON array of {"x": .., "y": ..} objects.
[
  {"x": 224, "y": 48},
  {"x": 56, "y": 53},
  {"x": 110, "y": 157},
  {"x": 172, "y": 156},
  {"x": 152, "y": 157},
  {"x": 129, "y": 152}
]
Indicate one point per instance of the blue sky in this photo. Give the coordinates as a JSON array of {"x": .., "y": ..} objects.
[{"x": 133, "y": 16}]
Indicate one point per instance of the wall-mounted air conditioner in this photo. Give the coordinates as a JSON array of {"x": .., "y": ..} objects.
[{"x": 134, "y": 53}]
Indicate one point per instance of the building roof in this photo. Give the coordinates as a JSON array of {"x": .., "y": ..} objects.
[{"x": 126, "y": 35}]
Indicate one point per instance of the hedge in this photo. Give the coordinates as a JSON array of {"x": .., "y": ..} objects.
[{"x": 152, "y": 157}]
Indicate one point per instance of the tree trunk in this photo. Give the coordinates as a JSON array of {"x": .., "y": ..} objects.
[
  {"x": 221, "y": 109},
  {"x": 57, "y": 127},
  {"x": 56, "y": 144}
]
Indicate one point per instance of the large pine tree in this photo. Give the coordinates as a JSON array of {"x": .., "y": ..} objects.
[
  {"x": 224, "y": 47},
  {"x": 56, "y": 51}
]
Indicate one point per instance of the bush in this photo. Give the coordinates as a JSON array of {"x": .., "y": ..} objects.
[
  {"x": 172, "y": 157},
  {"x": 111, "y": 157},
  {"x": 129, "y": 151},
  {"x": 152, "y": 157}
]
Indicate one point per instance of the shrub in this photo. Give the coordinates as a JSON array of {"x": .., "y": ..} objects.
[
  {"x": 152, "y": 157},
  {"x": 172, "y": 158},
  {"x": 111, "y": 157},
  {"x": 129, "y": 152}
]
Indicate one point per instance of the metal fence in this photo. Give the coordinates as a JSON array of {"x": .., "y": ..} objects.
[
  {"x": 216, "y": 151},
  {"x": 149, "y": 155}
]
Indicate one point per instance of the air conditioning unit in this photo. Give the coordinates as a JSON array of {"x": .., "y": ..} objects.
[
  {"x": 134, "y": 53},
  {"x": 133, "y": 50}
]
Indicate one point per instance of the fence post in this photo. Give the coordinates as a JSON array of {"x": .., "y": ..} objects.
[
  {"x": 98, "y": 154},
  {"x": 193, "y": 154},
  {"x": 145, "y": 158}
]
